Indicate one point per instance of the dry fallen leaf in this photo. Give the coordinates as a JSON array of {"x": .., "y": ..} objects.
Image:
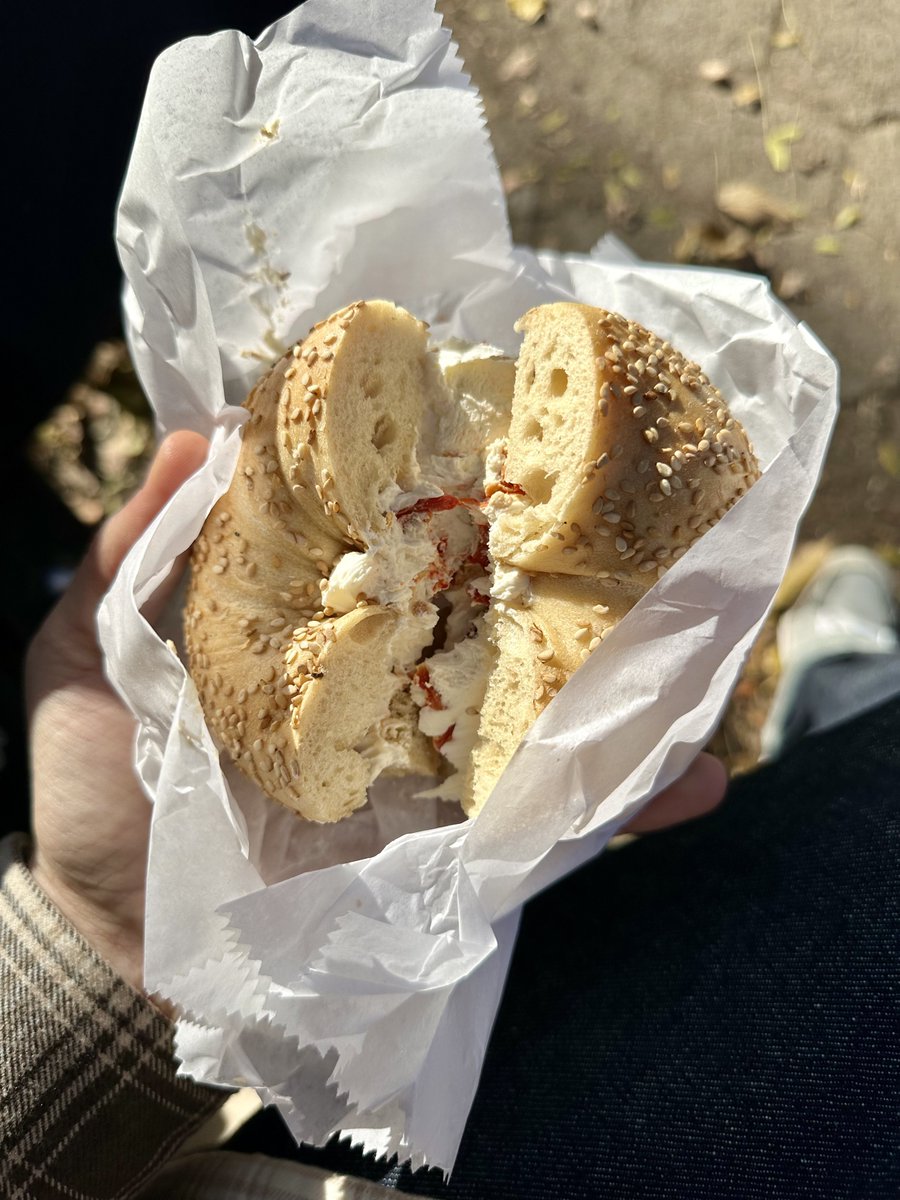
[
  {"x": 849, "y": 215},
  {"x": 528, "y": 97},
  {"x": 715, "y": 70},
  {"x": 93, "y": 448},
  {"x": 708, "y": 243},
  {"x": 746, "y": 96},
  {"x": 777, "y": 143},
  {"x": 889, "y": 458},
  {"x": 854, "y": 182},
  {"x": 753, "y": 206},
  {"x": 529, "y": 11},
  {"x": 519, "y": 64},
  {"x": 586, "y": 11},
  {"x": 784, "y": 39},
  {"x": 792, "y": 285},
  {"x": 553, "y": 120},
  {"x": 827, "y": 244},
  {"x": 661, "y": 217},
  {"x": 573, "y": 167}
]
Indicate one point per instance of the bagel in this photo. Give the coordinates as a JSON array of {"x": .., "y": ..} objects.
[{"x": 418, "y": 549}]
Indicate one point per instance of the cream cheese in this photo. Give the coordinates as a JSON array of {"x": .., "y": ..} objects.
[
  {"x": 454, "y": 351},
  {"x": 509, "y": 586},
  {"x": 385, "y": 572},
  {"x": 458, "y": 677},
  {"x": 423, "y": 548},
  {"x": 472, "y": 413}
]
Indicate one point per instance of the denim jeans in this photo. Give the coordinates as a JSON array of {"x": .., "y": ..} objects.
[{"x": 708, "y": 1012}]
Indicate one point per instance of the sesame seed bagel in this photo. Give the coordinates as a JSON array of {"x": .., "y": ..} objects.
[
  {"x": 416, "y": 552},
  {"x": 616, "y": 442},
  {"x": 620, "y": 455},
  {"x": 288, "y": 687}
]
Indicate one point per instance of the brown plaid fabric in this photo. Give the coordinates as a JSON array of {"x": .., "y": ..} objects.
[{"x": 90, "y": 1105}]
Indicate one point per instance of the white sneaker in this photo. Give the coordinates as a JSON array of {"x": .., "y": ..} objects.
[{"x": 846, "y": 608}]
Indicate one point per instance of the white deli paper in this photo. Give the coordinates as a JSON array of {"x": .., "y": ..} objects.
[{"x": 351, "y": 973}]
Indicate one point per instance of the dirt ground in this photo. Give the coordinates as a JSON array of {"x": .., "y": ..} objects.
[{"x": 763, "y": 135}]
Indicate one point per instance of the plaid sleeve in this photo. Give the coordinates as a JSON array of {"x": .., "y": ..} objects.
[{"x": 90, "y": 1105}]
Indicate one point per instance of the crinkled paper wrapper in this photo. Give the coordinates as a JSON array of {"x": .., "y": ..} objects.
[{"x": 351, "y": 973}]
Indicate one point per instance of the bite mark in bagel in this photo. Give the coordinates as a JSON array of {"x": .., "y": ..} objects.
[{"x": 418, "y": 550}]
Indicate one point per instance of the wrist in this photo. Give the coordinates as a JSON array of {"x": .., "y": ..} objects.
[{"x": 120, "y": 944}]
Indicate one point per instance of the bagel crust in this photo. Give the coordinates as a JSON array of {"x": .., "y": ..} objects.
[{"x": 417, "y": 551}]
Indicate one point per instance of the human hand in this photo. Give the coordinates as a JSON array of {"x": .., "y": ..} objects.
[
  {"x": 699, "y": 790},
  {"x": 90, "y": 818}
]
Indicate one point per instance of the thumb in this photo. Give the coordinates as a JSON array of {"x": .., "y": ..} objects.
[{"x": 179, "y": 456}]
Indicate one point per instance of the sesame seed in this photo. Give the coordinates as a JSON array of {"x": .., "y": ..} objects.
[
  {"x": 650, "y": 435},
  {"x": 656, "y": 497},
  {"x": 612, "y": 517},
  {"x": 621, "y": 544},
  {"x": 593, "y": 644},
  {"x": 664, "y": 469},
  {"x": 638, "y": 410},
  {"x": 650, "y": 565}
]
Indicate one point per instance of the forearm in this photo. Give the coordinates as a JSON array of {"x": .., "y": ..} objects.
[{"x": 89, "y": 1099}]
